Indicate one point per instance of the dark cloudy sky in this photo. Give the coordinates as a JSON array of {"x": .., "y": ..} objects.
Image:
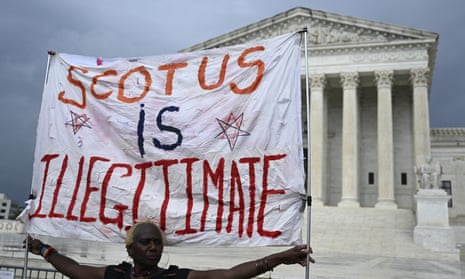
[{"x": 117, "y": 28}]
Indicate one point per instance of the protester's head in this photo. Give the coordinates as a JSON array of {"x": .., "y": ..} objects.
[{"x": 144, "y": 242}]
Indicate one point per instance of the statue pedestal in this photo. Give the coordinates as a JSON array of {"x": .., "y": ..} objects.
[{"x": 433, "y": 231}]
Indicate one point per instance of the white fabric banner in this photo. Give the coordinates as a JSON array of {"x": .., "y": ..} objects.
[{"x": 208, "y": 144}]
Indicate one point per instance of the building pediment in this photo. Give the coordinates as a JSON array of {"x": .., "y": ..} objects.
[
  {"x": 341, "y": 43},
  {"x": 324, "y": 30}
]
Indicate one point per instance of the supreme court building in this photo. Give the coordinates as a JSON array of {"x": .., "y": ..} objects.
[
  {"x": 369, "y": 109},
  {"x": 369, "y": 85}
]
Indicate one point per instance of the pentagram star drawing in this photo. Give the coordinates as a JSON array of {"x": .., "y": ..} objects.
[
  {"x": 231, "y": 129},
  {"x": 78, "y": 121}
]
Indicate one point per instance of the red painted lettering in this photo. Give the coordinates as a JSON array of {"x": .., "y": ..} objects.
[
  {"x": 170, "y": 68},
  {"x": 103, "y": 200},
  {"x": 260, "y": 70},
  {"x": 165, "y": 164},
  {"x": 205, "y": 79},
  {"x": 190, "y": 199},
  {"x": 89, "y": 189},
  {"x": 251, "y": 161},
  {"x": 75, "y": 82},
  {"x": 69, "y": 214},
  {"x": 47, "y": 159},
  {"x": 95, "y": 80},
  {"x": 218, "y": 181},
  {"x": 266, "y": 192},
  {"x": 246, "y": 209},
  {"x": 236, "y": 181},
  {"x": 135, "y": 201},
  {"x": 64, "y": 166},
  {"x": 203, "y": 69},
  {"x": 147, "y": 84}
]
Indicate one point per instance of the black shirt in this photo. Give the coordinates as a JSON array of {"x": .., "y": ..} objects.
[{"x": 123, "y": 271}]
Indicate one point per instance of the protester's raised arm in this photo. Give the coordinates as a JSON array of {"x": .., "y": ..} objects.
[
  {"x": 62, "y": 263},
  {"x": 295, "y": 255}
]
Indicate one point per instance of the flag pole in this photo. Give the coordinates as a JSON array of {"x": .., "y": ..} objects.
[
  {"x": 31, "y": 195},
  {"x": 26, "y": 241},
  {"x": 26, "y": 254},
  {"x": 309, "y": 196}
]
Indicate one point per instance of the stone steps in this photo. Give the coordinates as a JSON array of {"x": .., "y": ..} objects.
[
  {"x": 354, "y": 232},
  {"x": 368, "y": 231}
]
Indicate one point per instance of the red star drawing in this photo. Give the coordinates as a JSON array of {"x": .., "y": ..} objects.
[
  {"x": 231, "y": 129},
  {"x": 78, "y": 121}
]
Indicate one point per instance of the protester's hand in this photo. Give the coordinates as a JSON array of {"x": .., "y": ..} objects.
[
  {"x": 34, "y": 245},
  {"x": 298, "y": 254}
]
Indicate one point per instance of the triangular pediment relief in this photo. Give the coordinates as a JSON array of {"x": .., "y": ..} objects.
[{"x": 323, "y": 30}]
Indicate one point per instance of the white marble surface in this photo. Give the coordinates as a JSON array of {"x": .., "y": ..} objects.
[{"x": 348, "y": 243}]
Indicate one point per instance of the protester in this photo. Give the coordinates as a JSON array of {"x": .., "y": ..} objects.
[{"x": 144, "y": 244}]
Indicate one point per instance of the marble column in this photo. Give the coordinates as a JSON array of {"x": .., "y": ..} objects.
[
  {"x": 421, "y": 128},
  {"x": 318, "y": 138},
  {"x": 350, "y": 125},
  {"x": 386, "y": 198}
]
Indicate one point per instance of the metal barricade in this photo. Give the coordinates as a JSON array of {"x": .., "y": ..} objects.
[{"x": 32, "y": 272}]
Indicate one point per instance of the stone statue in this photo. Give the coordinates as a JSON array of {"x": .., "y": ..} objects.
[{"x": 429, "y": 174}]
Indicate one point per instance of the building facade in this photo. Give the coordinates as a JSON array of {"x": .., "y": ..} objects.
[
  {"x": 5, "y": 206},
  {"x": 448, "y": 148},
  {"x": 369, "y": 85}
]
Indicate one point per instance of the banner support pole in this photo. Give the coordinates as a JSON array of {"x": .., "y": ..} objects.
[
  {"x": 26, "y": 244},
  {"x": 31, "y": 195},
  {"x": 309, "y": 196},
  {"x": 26, "y": 254}
]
